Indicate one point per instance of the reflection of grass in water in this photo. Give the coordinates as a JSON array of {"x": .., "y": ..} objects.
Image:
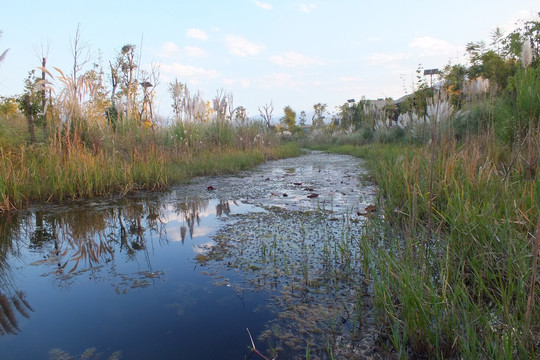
[
  {"x": 8, "y": 316},
  {"x": 312, "y": 259},
  {"x": 89, "y": 354},
  {"x": 141, "y": 279}
]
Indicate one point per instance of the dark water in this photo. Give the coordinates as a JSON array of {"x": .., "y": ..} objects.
[{"x": 180, "y": 274}]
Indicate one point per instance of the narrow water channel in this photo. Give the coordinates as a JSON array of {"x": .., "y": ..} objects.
[{"x": 184, "y": 273}]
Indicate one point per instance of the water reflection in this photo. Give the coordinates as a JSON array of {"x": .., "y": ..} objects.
[
  {"x": 84, "y": 239},
  {"x": 140, "y": 274},
  {"x": 10, "y": 306},
  {"x": 13, "y": 302}
]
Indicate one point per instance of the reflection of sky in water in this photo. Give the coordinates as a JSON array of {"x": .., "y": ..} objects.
[
  {"x": 121, "y": 274},
  {"x": 145, "y": 295}
]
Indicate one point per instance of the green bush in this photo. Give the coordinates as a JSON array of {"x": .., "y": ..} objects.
[{"x": 527, "y": 85}]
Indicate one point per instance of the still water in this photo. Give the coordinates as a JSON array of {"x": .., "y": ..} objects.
[{"x": 182, "y": 274}]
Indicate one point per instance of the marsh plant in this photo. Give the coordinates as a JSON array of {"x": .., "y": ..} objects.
[
  {"x": 72, "y": 136},
  {"x": 453, "y": 260}
]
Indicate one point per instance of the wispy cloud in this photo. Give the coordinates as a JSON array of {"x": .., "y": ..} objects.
[
  {"x": 294, "y": 59},
  {"x": 307, "y": 8},
  {"x": 386, "y": 59},
  {"x": 351, "y": 79},
  {"x": 194, "y": 51},
  {"x": 234, "y": 81},
  {"x": 171, "y": 50},
  {"x": 391, "y": 63},
  {"x": 263, "y": 5},
  {"x": 196, "y": 34},
  {"x": 189, "y": 72},
  {"x": 168, "y": 50},
  {"x": 517, "y": 20},
  {"x": 432, "y": 47},
  {"x": 240, "y": 46},
  {"x": 278, "y": 80}
]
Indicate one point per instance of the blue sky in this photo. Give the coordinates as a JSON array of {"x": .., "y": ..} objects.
[{"x": 288, "y": 52}]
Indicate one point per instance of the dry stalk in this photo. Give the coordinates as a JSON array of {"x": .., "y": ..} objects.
[
  {"x": 255, "y": 349},
  {"x": 530, "y": 299}
]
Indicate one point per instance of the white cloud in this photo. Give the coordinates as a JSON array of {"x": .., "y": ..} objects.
[
  {"x": 517, "y": 21},
  {"x": 188, "y": 71},
  {"x": 278, "y": 80},
  {"x": 234, "y": 81},
  {"x": 263, "y": 5},
  {"x": 240, "y": 46},
  {"x": 307, "y": 7},
  {"x": 294, "y": 59},
  {"x": 386, "y": 59},
  {"x": 431, "y": 47},
  {"x": 196, "y": 34},
  {"x": 194, "y": 51},
  {"x": 169, "y": 49},
  {"x": 350, "y": 79}
]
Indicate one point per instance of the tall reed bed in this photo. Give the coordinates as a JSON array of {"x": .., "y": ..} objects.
[
  {"x": 122, "y": 164},
  {"x": 456, "y": 281}
]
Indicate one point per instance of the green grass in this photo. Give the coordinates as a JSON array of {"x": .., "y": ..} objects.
[
  {"x": 50, "y": 172},
  {"x": 454, "y": 281}
]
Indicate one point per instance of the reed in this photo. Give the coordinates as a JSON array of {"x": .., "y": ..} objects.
[
  {"x": 123, "y": 164},
  {"x": 467, "y": 291}
]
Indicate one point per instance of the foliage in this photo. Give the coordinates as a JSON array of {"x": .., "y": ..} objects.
[
  {"x": 33, "y": 91},
  {"x": 455, "y": 76},
  {"x": 527, "y": 97},
  {"x": 318, "y": 117},
  {"x": 289, "y": 119},
  {"x": 8, "y": 107}
]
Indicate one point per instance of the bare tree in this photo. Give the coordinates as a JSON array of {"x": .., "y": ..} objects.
[
  {"x": 126, "y": 67},
  {"x": 241, "y": 115},
  {"x": 302, "y": 118},
  {"x": 266, "y": 113},
  {"x": 149, "y": 83},
  {"x": 80, "y": 51},
  {"x": 230, "y": 104},
  {"x": 317, "y": 120},
  {"x": 177, "y": 91}
]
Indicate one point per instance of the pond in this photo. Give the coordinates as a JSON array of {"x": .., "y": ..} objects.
[{"x": 185, "y": 273}]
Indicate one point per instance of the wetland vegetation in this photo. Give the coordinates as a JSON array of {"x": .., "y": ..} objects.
[{"x": 425, "y": 248}]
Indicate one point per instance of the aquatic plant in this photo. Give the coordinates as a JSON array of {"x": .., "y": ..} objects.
[
  {"x": 89, "y": 354},
  {"x": 451, "y": 262}
]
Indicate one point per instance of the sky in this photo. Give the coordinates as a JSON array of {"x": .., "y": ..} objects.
[{"x": 290, "y": 53}]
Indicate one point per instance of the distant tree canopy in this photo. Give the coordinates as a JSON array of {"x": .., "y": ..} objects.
[{"x": 289, "y": 119}]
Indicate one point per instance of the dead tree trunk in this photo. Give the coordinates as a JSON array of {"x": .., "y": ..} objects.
[{"x": 30, "y": 118}]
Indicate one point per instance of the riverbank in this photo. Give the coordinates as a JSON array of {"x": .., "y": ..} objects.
[
  {"x": 55, "y": 173},
  {"x": 452, "y": 263},
  {"x": 259, "y": 251}
]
